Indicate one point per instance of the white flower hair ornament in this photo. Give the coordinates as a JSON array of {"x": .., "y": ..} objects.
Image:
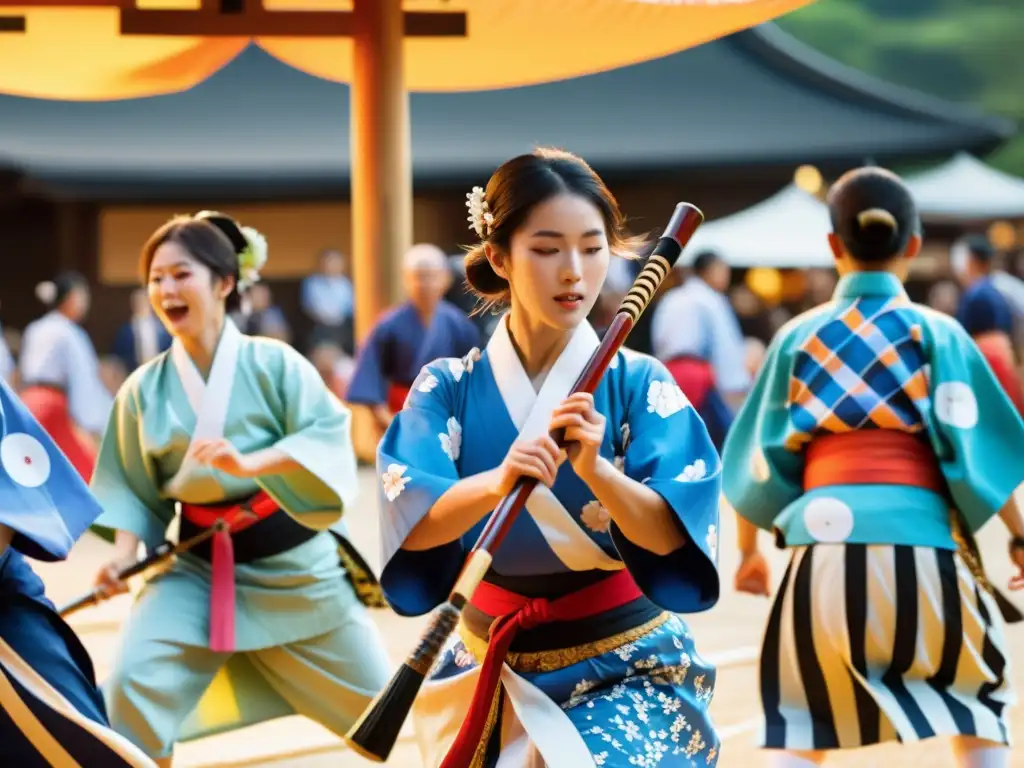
[
  {"x": 46, "y": 292},
  {"x": 480, "y": 217},
  {"x": 252, "y": 259}
]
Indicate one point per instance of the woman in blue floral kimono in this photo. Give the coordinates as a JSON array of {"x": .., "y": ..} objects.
[{"x": 610, "y": 547}]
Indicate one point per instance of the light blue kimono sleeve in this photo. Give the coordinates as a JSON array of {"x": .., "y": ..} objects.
[
  {"x": 317, "y": 436},
  {"x": 125, "y": 481},
  {"x": 43, "y": 499},
  {"x": 975, "y": 429},
  {"x": 415, "y": 468},
  {"x": 670, "y": 451},
  {"x": 760, "y": 476}
]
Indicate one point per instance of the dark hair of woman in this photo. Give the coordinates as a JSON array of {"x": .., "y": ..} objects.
[
  {"x": 873, "y": 214},
  {"x": 980, "y": 248},
  {"x": 213, "y": 239},
  {"x": 512, "y": 193},
  {"x": 53, "y": 292}
]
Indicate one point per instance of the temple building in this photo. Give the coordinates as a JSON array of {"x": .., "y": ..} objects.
[{"x": 722, "y": 125}]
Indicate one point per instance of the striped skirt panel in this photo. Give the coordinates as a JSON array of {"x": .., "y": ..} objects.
[{"x": 874, "y": 643}]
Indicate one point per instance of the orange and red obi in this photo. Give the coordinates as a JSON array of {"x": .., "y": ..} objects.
[{"x": 872, "y": 457}]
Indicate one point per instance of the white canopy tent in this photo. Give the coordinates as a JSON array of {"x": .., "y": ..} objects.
[
  {"x": 789, "y": 230},
  {"x": 967, "y": 190}
]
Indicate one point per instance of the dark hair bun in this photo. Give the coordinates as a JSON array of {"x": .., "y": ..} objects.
[
  {"x": 53, "y": 292},
  {"x": 878, "y": 229},
  {"x": 481, "y": 277},
  {"x": 878, "y": 218},
  {"x": 873, "y": 214},
  {"x": 228, "y": 226}
]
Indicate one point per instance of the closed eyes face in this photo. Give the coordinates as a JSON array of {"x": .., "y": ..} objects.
[
  {"x": 183, "y": 292},
  {"x": 558, "y": 261}
]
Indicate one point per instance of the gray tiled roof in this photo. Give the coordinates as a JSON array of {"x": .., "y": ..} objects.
[{"x": 756, "y": 97}]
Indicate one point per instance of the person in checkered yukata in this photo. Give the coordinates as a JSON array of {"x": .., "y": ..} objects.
[{"x": 875, "y": 439}]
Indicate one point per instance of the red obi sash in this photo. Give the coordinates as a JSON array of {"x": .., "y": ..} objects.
[
  {"x": 222, "y": 559},
  {"x": 396, "y": 396},
  {"x": 872, "y": 457},
  {"x": 515, "y": 612},
  {"x": 694, "y": 376}
]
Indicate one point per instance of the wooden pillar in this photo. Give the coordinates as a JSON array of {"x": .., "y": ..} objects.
[
  {"x": 381, "y": 159},
  {"x": 381, "y": 176}
]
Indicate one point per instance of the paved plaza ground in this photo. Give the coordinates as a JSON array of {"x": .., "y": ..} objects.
[{"x": 730, "y": 632}]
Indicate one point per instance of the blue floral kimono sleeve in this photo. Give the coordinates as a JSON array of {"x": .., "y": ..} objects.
[
  {"x": 416, "y": 466},
  {"x": 669, "y": 450},
  {"x": 760, "y": 476}
]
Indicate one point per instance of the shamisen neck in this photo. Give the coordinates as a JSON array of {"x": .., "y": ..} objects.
[
  {"x": 537, "y": 345},
  {"x": 203, "y": 347}
]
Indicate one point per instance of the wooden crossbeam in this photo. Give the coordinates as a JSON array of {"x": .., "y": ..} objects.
[
  {"x": 242, "y": 18},
  {"x": 67, "y": 3},
  {"x": 264, "y": 23},
  {"x": 12, "y": 24}
]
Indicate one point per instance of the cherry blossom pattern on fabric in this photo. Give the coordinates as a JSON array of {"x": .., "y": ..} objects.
[
  {"x": 459, "y": 366},
  {"x": 696, "y": 471},
  {"x": 394, "y": 481},
  {"x": 451, "y": 441},
  {"x": 596, "y": 517},
  {"x": 427, "y": 383},
  {"x": 665, "y": 398}
]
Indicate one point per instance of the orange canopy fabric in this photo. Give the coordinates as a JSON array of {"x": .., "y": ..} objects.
[
  {"x": 522, "y": 42},
  {"x": 80, "y": 54},
  {"x": 74, "y": 54}
]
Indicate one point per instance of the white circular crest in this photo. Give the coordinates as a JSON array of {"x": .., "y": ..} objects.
[
  {"x": 828, "y": 520},
  {"x": 25, "y": 459},
  {"x": 956, "y": 405}
]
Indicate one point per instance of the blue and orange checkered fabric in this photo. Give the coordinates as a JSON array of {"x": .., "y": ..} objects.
[{"x": 863, "y": 369}]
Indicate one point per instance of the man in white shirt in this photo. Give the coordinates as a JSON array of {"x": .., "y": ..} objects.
[{"x": 695, "y": 332}]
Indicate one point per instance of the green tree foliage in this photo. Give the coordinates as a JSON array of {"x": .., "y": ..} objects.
[{"x": 968, "y": 51}]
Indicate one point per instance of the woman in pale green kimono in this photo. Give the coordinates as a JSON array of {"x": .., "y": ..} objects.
[{"x": 242, "y": 430}]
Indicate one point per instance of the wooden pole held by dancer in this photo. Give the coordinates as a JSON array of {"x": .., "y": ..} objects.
[{"x": 375, "y": 733}]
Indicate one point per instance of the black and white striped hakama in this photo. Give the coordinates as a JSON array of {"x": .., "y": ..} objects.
[{"x": 874, "y": 643}]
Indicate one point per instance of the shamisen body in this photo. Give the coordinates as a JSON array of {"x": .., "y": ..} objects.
[
  {"x": 242, "y": 429},
  {"x": 614, "y": 543}
]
